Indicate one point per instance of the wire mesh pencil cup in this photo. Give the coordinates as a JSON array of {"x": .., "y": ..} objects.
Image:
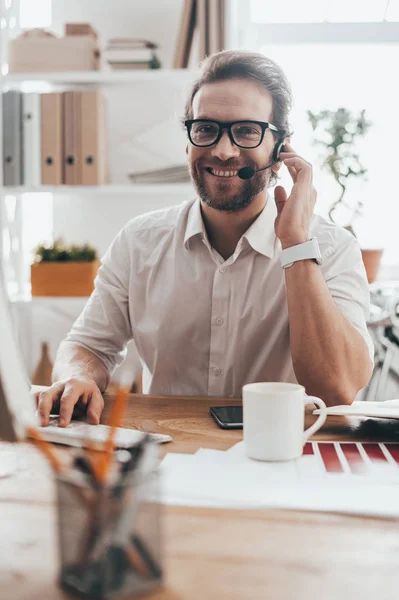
[{"x": 110, "y": 535}]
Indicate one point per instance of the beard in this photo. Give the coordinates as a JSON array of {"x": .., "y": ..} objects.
[{"x": 225, "y": 195}]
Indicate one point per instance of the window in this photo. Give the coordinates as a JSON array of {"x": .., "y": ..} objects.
[
  {"x": 329, "y": 11},
  {"x": 335, "y": 55},
  {"x": 34, "y": 13}
]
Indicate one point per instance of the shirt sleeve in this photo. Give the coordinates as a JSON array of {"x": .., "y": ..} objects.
[
  {"x": 104, "y": 326},
  {"x": 346, "y": 278}
]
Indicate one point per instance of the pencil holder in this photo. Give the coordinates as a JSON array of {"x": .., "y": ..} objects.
[{"x": 110, "y": 535}]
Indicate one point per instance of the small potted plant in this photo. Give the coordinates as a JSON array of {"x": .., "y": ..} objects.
[
  {"x": 341, "y": 130},
  {"x": 61, "y": 270}
]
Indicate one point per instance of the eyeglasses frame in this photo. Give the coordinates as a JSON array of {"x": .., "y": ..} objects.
[{"x": 228, "y": 125}]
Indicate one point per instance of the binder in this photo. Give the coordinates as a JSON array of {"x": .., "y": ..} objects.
[
  {"x": 93, "y": 138},
  {"x": 202, "y": 23},
  {"x": 51, "y": 138},
  {"x": 12, "y": 138},
  {"x": 31, "y": 124},
  {"x": 72, "y": 137},
  {"x": 185, "y": 35}
]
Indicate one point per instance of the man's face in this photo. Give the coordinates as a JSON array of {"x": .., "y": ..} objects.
[{"x": 233, "y": 100}]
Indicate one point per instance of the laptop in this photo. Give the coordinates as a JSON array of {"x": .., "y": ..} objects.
[{"x": 18, "y": 406}]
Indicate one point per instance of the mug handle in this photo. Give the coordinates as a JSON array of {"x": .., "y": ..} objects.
[{"x": 319, "y": 422}]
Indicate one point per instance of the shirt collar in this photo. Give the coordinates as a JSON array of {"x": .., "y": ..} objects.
[
  {"x": 260, "y": 235},
  {"x": 195, "y": 225}
]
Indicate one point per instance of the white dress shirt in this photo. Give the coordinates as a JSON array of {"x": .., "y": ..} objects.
[{"x": 204, "y": 325}]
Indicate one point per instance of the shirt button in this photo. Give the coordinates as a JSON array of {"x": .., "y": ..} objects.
[
  {"x": 222, "y": 269},
  {"x": 218, "y": 371},
  {"x": 219, "y": 321}
]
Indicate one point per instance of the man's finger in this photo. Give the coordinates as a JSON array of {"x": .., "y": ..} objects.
[
  {"x": 95, "y": 408},
  {"x": 303, "y": 168},
  {"x": 68, "y": 400},
  {"x": 46, "y": 401},
  {"x": 280, "y": 198}
]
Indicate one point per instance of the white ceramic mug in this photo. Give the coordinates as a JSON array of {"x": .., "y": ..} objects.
[{"x": 274, "y": 420}]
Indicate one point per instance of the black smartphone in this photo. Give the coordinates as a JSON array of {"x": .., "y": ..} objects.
[{"x": 227, "y": 417}]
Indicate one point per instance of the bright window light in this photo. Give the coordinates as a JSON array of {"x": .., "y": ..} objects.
[
  {"x": 317, "y": 11},
  {"x": 354, "y": 76},
  {"x": 289, "y": 11},
  {"x": 34, "y": 13},
  {"x": 355, "y": 11},
  {"x": 392, "y": 13}
]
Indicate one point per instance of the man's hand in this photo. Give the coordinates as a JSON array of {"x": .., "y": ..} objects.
[
  {"x": 295, "y": 212},
  {"x": 76, "y": 394}
]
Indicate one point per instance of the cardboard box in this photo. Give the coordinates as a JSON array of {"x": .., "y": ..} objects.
[
  {"x": 48, "y": 54},
  {"x": 80, "y": 29}
]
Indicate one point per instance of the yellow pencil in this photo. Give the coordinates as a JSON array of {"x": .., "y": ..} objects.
[
  {"x": 45, "y": 448},
  {"x": 115, "y": 421}
]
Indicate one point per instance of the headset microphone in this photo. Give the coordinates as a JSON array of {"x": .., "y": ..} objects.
[{"x": 248, "y": 172}]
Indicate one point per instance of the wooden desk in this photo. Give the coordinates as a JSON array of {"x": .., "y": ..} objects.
[{"x": 220, "y": 554}]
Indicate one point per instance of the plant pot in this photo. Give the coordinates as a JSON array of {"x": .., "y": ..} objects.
[
  {"x": 372, "y": 260},
  {"x": 63, "y": 278}
]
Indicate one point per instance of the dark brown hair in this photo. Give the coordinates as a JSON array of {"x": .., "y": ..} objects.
[{"x": 238, "y": 64}]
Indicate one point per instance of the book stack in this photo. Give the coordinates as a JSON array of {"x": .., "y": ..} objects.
[
  {"x": 174, "y": 174},
  {"x": 53, "y": 139},
  {"x": 131, "y": 53}
]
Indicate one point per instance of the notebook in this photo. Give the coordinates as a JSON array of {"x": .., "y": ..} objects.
[{"x": 388, "y": 409}]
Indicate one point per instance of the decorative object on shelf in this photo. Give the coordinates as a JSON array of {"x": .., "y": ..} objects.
[
  {"x": 37, "y": 50},
  {"x": 131, "y": 53},
  {"x": 61, "y": 270},
  {"x": 341, "y": 130},
  {"x": 208, "y": 18},
  {"x": 42, "y": 373},
  {"x": 80, "y": 29}
]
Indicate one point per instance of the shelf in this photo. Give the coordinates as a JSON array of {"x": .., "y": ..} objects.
[
  {"x": 134, "y": 189},
  {"x": 38, "y": 81}
]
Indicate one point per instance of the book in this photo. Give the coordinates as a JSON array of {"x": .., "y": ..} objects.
[
  {"x": 185, "y": 36},
  {"x": 93, "y": 138},
  {"x": 130, "y": 42},
  {"x": 31, "y": 125},
  {"x": 131, "y": 63},
  {"x": 51, "y": 128},
  {"x": 126, "y": 54},
  {"x": 12, "y": 139}
]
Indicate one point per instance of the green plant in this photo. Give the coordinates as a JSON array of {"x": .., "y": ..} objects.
[
  {"x": 60, "y": 252},
  {"x": 341, "y": 130}
]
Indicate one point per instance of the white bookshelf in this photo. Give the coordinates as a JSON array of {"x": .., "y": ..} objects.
[
  {"x": 13, "y": 200},
  {"x": 42, "y": 81}
]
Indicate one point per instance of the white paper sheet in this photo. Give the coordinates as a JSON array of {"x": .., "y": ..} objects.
[
  {"x": 389, "y": 409},
  {"x": 229, "y": 479}
]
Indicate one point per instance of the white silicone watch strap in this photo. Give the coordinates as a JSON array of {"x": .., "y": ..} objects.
[{"x": 303, "y": 251}]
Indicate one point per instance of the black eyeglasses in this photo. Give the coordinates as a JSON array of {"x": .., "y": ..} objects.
[{"x": 245, "y": 134}]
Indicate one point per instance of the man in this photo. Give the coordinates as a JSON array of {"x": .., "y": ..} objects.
[{"x": 226, "y": 289}]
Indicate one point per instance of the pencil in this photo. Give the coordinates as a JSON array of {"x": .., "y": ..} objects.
[
  {"x": 116, "y": 419},
  {"x": 45, "y": 448}
]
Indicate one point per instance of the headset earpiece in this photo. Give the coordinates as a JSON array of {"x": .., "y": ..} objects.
[{"x": 279, "y": 147}]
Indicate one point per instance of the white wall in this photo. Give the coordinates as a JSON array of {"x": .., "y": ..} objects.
[{"x": 97, "y": 219}]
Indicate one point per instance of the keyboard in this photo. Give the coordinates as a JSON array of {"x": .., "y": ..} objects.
[{"x": 77, "y": 433}]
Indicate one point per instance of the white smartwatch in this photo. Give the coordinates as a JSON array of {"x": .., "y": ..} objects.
[{"x": 303, "y": 251}]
